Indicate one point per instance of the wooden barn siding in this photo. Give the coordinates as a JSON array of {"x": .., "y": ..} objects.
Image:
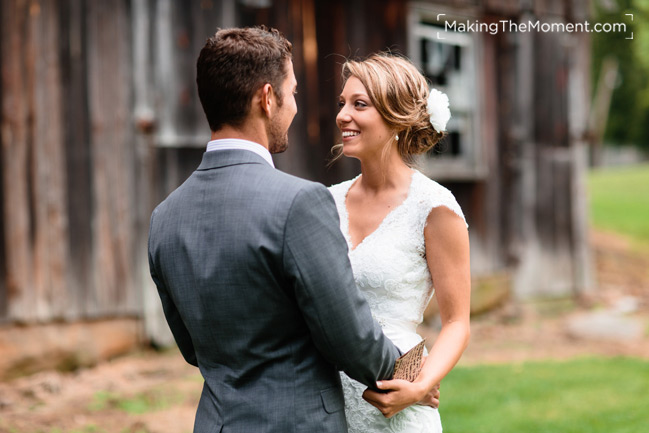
[
  {"x": 578, "y": 112},
  {"x": 68, "y": 160},
  {"x": 537, "y": 165},
  {"x": 178, "y": 31},
  {"x": 78, "y": 152},
  {"x": 35, "y": 217},
  {"x": 172, "y": 131},
  {"x": 554, "y": 159},
  {"x": 3, "y": 261},
  {"x": 571, "y": 10},
  {"x": 486, "y": 210},
  {"x": 113, "y": 157}
]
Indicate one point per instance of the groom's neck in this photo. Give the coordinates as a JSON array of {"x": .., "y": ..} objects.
[{"x": 248, "y": 131}]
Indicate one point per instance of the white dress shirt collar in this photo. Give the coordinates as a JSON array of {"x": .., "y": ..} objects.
[{"x": 236, "y": 143}]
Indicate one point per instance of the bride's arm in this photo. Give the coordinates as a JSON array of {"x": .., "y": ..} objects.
[{"x": 447, "y": 254}]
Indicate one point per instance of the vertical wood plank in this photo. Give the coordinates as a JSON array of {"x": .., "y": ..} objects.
[
  {"x": 310, "y": 56},
  {"x": 112, "y": 157},
  {"x": 165, "y": 73},
  {"x": 155, "y": 325},
  {"x": 550, "y": 7},
  {"x": 16, "y": 48},
  {"x": 34, "y": 168},
  {"x": 487, "y": 255},
  {"x": 333, "y": 46},
  {"x": 524, "y": 250},
  {"x": 554, "y": 166},
  {"x": 3, "y": 259},
  {"x": 578, "y": 111},
  {"x": 75, "y": 121},
  {"x": 49, "y": 171},
  {"x": 503, "y": 7}
]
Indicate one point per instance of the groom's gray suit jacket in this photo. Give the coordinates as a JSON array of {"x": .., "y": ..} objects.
[{"x": 257, "y": 288}]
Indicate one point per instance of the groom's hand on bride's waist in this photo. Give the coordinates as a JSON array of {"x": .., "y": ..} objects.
[{"x": 396, "y": 395}]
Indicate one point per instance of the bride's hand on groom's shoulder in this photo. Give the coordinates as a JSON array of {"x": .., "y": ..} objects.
[{"x": 399, "y": 394}]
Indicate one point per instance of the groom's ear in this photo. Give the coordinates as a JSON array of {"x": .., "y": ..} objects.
[{"x": 267, "y": 99}]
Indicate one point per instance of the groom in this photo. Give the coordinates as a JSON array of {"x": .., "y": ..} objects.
[{"x": 250, "y": 264}]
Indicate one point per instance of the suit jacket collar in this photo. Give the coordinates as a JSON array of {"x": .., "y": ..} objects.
[{"x": 229, "y": 157}]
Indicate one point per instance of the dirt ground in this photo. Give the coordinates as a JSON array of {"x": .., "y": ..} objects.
[{"x": 151, "y": 392}]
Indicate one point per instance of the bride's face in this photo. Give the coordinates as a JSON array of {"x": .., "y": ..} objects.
[{"x": 364, "y": 132}]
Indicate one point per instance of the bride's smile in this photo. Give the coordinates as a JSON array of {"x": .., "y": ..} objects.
[{"x": 348, "y": 134}]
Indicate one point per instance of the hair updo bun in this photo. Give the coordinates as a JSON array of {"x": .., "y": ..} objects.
[{"x": 400, "y": 94}]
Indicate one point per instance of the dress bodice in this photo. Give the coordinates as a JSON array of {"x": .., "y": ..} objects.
[{"x": 390, "y": 265}]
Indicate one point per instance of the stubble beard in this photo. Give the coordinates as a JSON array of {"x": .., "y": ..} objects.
[{"x": 277, "y": 139}]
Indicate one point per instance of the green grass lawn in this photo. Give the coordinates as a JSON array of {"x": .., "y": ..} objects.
[
  {"x": 619, "y": 200},
  {"x": 578, "y": 396}
]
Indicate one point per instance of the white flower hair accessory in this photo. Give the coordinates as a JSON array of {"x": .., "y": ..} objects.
[{"x": 438, "y": 110}]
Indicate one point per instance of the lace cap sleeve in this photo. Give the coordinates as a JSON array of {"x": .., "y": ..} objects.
[{"x": 435, "y": 195}]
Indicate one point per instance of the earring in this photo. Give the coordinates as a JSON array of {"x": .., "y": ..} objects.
[{"x": 397, "y": 137}]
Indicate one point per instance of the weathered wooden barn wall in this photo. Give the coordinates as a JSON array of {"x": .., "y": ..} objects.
[
  {"x": 542, "y": 106},
  {"x": 100, "y": 120},
  {"x": 68, "y": 161}
]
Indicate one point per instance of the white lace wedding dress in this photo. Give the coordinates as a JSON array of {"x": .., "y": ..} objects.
[{"x": 390, "y": 269}]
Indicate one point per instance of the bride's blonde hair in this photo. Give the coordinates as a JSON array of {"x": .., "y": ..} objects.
[{"x": 400, "y": 94}]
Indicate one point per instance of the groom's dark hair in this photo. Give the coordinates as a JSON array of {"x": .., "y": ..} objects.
[{"x": 233, "y": 65}]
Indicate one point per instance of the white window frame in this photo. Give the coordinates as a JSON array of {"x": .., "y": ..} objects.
[{"x": 469, "y": 164}]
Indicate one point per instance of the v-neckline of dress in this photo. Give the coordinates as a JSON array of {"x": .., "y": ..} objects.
[{"x": 348, "y": 233}]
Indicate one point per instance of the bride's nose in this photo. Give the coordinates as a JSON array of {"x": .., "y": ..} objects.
[{"x": 343, "y": 115}]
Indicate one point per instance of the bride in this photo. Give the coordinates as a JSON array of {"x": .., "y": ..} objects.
[{"x": 406, "y": 233}]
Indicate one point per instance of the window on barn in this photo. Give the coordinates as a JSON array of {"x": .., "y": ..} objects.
[{"x": 449, "y": 60}]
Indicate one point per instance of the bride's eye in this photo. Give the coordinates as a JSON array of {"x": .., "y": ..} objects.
[
  {"x": 360, "y": 104},
  {"x": 341, "y": 104}
]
